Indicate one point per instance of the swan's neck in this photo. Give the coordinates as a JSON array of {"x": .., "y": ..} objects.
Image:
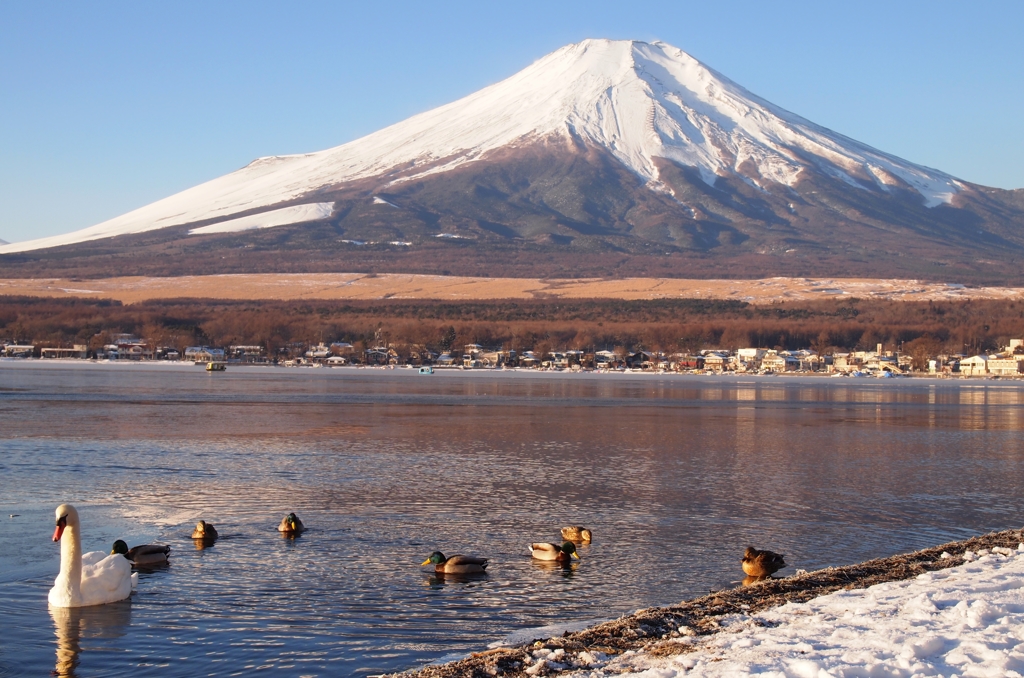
[{"x": 71, "y": 561}]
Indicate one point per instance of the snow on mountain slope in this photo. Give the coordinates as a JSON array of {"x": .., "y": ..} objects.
[
  {"x": 286, "y": 216},
  {"x": 639, "y": 101}
]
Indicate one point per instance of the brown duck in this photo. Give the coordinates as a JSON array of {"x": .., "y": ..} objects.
[
  {"x": 762, "y": 563},
  {"x": 577, "y": 534},
  {"x": 204, "y": 530}
]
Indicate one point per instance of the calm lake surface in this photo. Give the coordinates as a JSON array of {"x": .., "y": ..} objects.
[{"x": 675, "y": 476}]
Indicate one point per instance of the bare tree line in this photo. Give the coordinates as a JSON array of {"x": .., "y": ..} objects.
[{"x": 663, "y": 325}]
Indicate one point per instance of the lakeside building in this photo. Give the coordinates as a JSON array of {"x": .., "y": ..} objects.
[
  {"x": 77, "y": 352},
  {"x": 247, "y": 354},
  {"x": 204, "y": 354},
  {"x": 19, "y": 350},
  {"x": 1007, "y": 363},
  {"x": 1006, "y": 366},
  {"x": 319, "y": 352}
]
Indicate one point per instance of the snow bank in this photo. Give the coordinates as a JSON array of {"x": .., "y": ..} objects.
[
  {"x": 296, "y": 214},
  {"x": 962, "y": 621}
]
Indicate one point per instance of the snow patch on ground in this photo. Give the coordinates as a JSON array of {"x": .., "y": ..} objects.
[
  {"x": 541, "y": 632},
  {"x": 296, "y": 214},
  {"x": 964, "y": 621}
]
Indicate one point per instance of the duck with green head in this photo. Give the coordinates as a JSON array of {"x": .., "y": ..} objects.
[
  {"x": 291, "y": 524},
  {"x": 146, "y": 554},
  {"x": 562, "y": 554},
  {"x": 456, "y": 564}
]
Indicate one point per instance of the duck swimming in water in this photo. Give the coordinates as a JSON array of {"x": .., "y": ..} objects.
[
  {"x": 577, "y": 534},
  {"x": 456, "y": 564},
  {"x": 563, "y": 554},
  {"x": 146, "y": 554},
  {"x": 204, "y": 530},
  {"x": 291, "y": 524},
  {"x": 757, "y": 563}
]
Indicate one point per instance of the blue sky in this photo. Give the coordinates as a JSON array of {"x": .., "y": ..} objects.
[{"x": 105, "y": 107}]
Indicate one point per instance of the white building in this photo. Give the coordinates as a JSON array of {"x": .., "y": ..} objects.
[
  {"x": 80, "y": 352},
  {"x": 974, "y": 366}
]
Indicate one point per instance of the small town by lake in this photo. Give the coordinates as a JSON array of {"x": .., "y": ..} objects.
[{"x": 675, "y": 475}]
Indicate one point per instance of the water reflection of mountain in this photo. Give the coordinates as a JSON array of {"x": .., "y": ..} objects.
[{"x": 72, "y": 625}]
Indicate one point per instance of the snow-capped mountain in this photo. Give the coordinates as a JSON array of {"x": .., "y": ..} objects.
[{"x": 688, "y": 157}]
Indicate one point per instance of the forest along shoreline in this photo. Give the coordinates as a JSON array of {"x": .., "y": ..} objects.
[{"x": 655, "y": 631}]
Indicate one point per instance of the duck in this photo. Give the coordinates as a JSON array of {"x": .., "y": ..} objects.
[
  {"x": 758, "y": 563},
  {"x": 577, "y": 534},
  {"x": 204, "y": 530},
  {"x": 146, "y": 554},
  {"x": 456, "y": 564},
  {"x": 95, "y": 578},
  {"x": 563, "y": 554},
  {"x": 291, "y": 524}
]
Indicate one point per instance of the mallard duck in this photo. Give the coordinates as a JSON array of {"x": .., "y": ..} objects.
[
  {"x": 456, "y": 564},
  {"x": 563, "y": 553},
  {"x": 577, "y": 534},
  {"x": 762, "y": 563},
  {"x": 94, "y": 578},
  {"x": 291, "y": 524},
  {"x": 204, "y": 530},
  {"x": 146, "y": 554}
]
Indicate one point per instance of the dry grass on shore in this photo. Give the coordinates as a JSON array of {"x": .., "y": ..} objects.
[
  {"x": 656, "y": 629},
  {"x": 353, "y": 286}
]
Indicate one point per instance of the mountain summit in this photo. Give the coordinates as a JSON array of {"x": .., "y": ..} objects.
[{"x": 600, "y": 145}]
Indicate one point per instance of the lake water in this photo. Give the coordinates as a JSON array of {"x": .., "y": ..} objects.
[{"x": 675, "y": 476}]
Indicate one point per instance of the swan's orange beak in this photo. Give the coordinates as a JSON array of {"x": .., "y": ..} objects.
[{"x": 61, "y": 524}]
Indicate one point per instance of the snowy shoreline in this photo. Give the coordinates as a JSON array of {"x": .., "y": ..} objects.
[{"x": 954, "y": 609}]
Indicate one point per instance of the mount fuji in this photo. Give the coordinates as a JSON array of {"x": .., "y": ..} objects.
[{"x": 603, "y": 157}]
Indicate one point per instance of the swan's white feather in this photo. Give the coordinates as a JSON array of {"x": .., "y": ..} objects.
[{"x": 104, "y": 578}]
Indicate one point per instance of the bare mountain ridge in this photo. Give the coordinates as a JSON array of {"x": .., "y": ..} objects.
[{"x": 603, "y": 158}]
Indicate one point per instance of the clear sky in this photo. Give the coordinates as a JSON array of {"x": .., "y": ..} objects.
[{"x": 108, "y": 106}]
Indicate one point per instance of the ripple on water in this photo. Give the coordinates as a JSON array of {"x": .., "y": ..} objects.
[{"x": 675, "y": 477}]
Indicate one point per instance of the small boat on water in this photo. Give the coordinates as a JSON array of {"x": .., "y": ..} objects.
[
  {"x": 216, "y": 367},
  {"x": 427, "y": 369}
]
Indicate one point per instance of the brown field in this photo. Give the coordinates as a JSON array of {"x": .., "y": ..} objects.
[{"x": 356, "y": 286}]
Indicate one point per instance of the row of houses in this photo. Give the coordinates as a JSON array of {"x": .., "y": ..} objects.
[{"x": 1006, "y": 363}]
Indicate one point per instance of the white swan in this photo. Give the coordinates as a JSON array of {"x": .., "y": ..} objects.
[{"x": 91, "y": 579}]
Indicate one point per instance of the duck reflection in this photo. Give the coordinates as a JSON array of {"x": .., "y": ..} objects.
[
  {"x": 72, "y": 624},
  {"x": 440, "y": 579},
  {"x": 202, "y": 544},
  {"x": 566, "y": 568}
]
